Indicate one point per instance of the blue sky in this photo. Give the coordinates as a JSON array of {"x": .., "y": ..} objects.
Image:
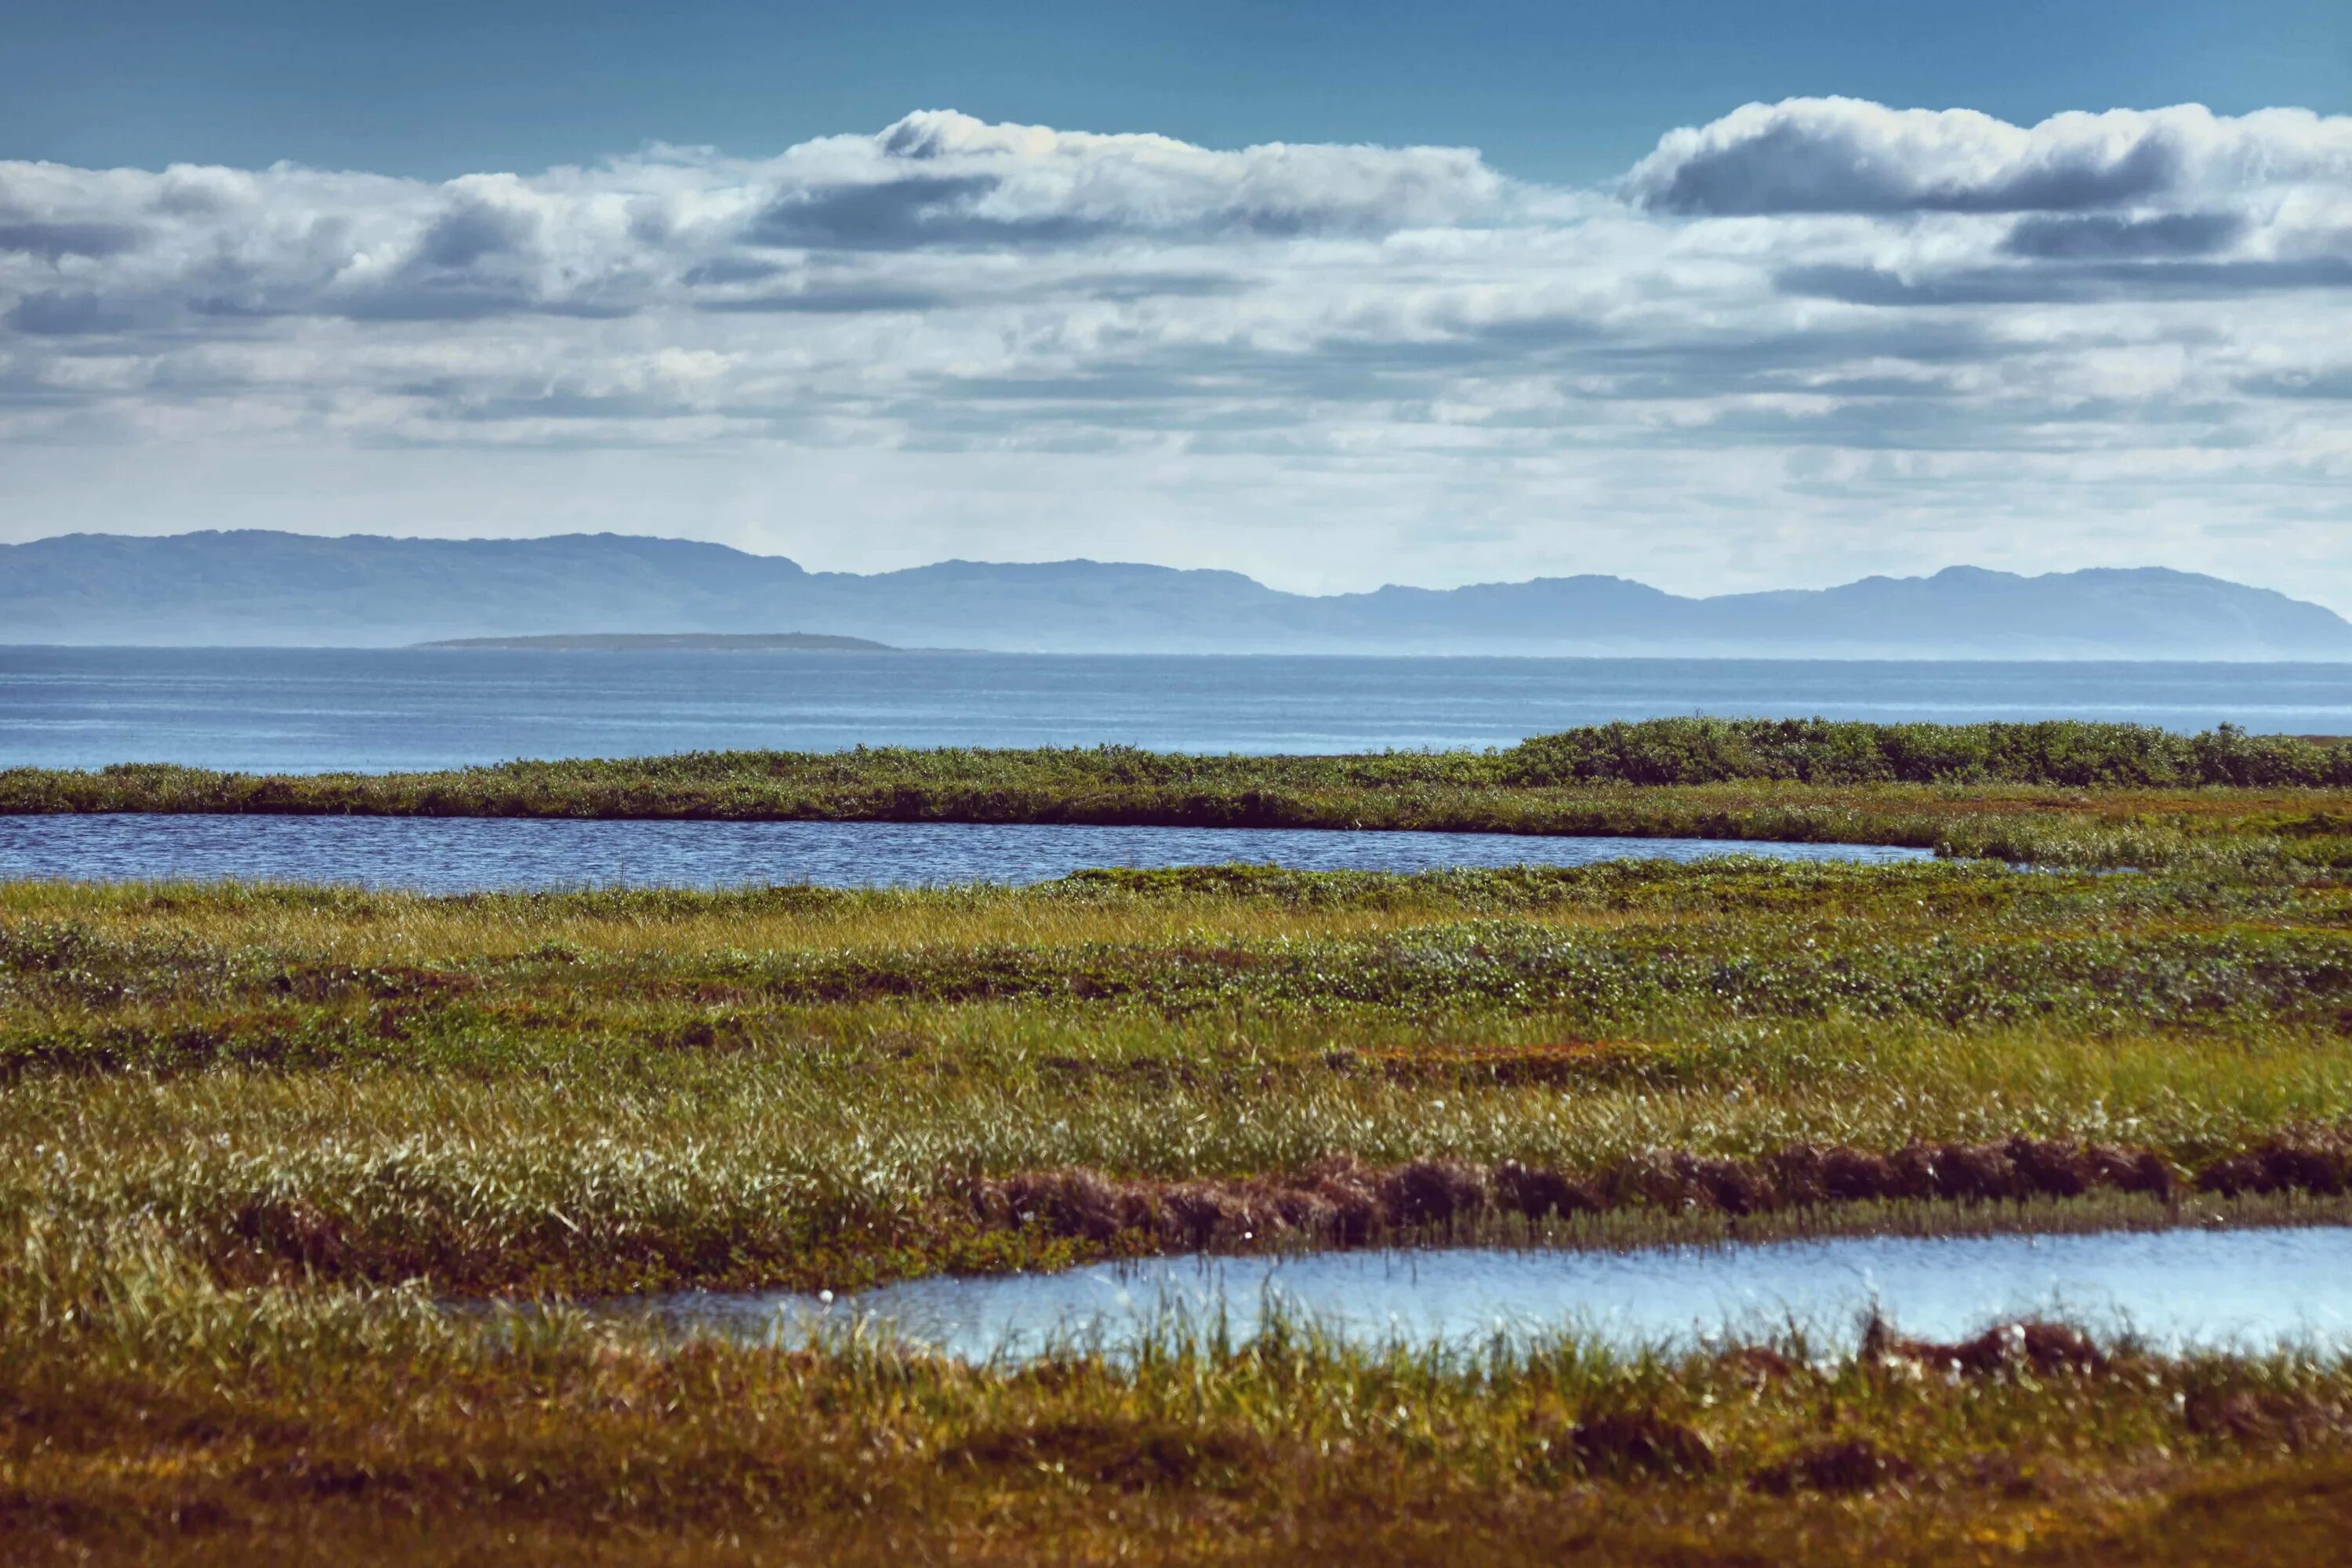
[
  {"x": 1551, "y": 90},
  {"x": 1714, "y": 296}
]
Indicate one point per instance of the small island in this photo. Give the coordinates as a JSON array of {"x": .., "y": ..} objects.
[{"x": 713, "y": 642}]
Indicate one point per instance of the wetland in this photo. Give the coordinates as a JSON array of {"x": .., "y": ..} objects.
[{"x": 316, "y": 1198}]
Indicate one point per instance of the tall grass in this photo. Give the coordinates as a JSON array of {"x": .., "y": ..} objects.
[{"x": 602, "y": 1090}]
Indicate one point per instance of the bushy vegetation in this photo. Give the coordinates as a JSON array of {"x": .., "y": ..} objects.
[
  {"x": 2065, "y": 752},
  {"x": 1575, "y": 782}
]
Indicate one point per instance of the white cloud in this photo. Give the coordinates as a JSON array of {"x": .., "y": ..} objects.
[
  {"x": 1807, "y": 340},
  {"x": 1841, "y": 154}
]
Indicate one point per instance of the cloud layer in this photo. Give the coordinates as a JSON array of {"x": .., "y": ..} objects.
[{"x": 1806, "y": 340}]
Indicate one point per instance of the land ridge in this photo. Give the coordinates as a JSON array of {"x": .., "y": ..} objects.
[
  {"x": 2013, "y": 792},
  {"x": 714, "y": 642},
  {"x": 256, "y": 587}
]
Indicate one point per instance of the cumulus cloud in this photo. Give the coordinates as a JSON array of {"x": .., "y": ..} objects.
[
  {"x": 1843, "y": 155},
  {"x": 1868, "y": 325},
  {"x": 1017, "y": 177}
]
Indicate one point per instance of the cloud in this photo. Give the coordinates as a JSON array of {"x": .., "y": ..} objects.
[
  {"x": 471, "y": 230},
  {"x": 2105, "y": 283},
  {"x": 54, "y": 241},
  {"x": 2335, "y": 383},
  {"x": 835, "y": 300},
  {"x": 1843, "y": 155},
  {"x": 57, "y": 313},
  {"x": 2105, "y": 237},
  {"x": 942, "y": 179},
  {"x": 911, "y": 210},
  {"x": 1821, "y": 325},
  {"x": 1155, "y": 185}
]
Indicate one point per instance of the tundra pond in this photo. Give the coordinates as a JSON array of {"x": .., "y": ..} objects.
[
  {"x": 2245, "y": 1289},
  {"x": 456, "y": 855}
]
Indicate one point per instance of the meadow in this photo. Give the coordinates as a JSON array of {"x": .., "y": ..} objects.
[{"x": 256, "y": 1140}]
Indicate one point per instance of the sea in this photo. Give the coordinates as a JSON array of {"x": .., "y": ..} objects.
[{"x": 380, "y": 709}]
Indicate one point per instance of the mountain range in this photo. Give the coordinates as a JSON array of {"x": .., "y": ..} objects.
[{"x": 254, "y": 588}]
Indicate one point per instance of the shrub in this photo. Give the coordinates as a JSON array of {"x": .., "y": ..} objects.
[{"x": 2066, "y": 752}]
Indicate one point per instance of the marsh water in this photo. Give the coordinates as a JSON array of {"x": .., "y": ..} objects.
[
  {"x": 451, "y": 854},
  {"x": 316, "y": 709},
  {"x": 2254, "y": 1289}
]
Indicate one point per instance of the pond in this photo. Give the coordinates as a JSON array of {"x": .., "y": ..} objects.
[
  {"x": 2251, "y": 1289},
  {"x": 453, "y": 855}
]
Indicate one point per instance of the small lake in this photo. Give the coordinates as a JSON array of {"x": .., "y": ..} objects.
[
  {"x": 455, "y": 855},
  {"x": 2251, "y": 1289}
]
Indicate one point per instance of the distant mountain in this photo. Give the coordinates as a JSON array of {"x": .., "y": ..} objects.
[
  {"x": 253, "y": 588},
  {"x": 699, "y": 642}
]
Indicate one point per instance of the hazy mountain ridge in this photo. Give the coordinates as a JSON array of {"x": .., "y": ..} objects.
[
  {"x": 652, "y": 642},
  {"x": 258, "y": 587}
]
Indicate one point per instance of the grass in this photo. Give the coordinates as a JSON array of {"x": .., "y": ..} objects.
[
  {"x": 251, "y": 1134},
  {"x": 152, "y": 1415},
  {"x": 618, "y": 1090}
]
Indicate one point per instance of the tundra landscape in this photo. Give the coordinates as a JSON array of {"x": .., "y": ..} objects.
[
  {"x": 1334, "y": 784},
  {"x": 327, "y": 1206}
]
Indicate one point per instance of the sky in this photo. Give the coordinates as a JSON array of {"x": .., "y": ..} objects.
[{"x": 1714, "y": 296}]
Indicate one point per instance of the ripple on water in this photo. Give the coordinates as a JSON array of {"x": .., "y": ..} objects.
[{"x": 450, "y": 855}]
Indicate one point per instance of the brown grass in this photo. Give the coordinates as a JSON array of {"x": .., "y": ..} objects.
[{"x": 614, "y": 1455}]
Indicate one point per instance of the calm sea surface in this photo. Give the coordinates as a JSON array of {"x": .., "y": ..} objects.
[{"x": 290, "y": 710}]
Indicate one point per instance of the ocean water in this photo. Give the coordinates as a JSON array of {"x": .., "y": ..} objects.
[
  {"x": 2255, "y": 1289},
  {"x": 460, "y": 855},
  {"x": 311, "y": 709}
]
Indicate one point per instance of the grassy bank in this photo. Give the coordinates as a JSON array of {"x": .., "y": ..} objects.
[{"x": 2078, "y": 793}]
